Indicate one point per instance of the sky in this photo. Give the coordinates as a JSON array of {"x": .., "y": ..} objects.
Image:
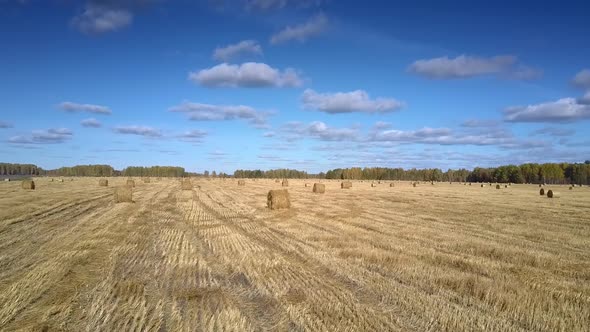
[{"x": 309, "y": 84}]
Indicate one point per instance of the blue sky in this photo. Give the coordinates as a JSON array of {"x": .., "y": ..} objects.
[{"x": 312, "y": 85}]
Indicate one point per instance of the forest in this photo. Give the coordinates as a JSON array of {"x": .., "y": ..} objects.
[{"x": 555, "y": 173}]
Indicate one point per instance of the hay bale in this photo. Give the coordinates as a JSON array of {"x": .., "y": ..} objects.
[
  {"x": 278, "y": 199},
  {"x": 346, "y": 185},
  {"x": 285, "y": 183},
  {"x": 319, "y": 188},
  {"x": 552, "y": 194},
  {"x": 51, "y": 180},
  {"x": 498, "y": 186},
  {"x": 28, "y": 184},
  {"x": 542, "y": 192},
  {"x": 432, "y": 183},
  {"x": 241, "y": 183},
  {"x": 373, "y": 184},
  {"x": 306, "y": 185},
  {"x": 540, "y": 185},
  {"x": 103, "y": 183},
  {"x": 482, "y": 185},
  {"x": 414, "y": 184},
  {"x": 6, "y": 180},
  {"x": 124, "y": 194},
  {"x": 61, "y": 180},
  {"x": 392, "y": 184},
  {"x": 571, "y": 187},
  {"x": 469, "y": 183},
  {"x": 506, "y": 186},
  {"x": 130, "y": 183},
  {"x": 186, "y": 184}
]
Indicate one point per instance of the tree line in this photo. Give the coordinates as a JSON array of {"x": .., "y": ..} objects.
[
  {"x": 272, "y": 174},
  {"x": 555, "y": 173},
  {"x": 19, "y": 169},
  {"x": 526, "y": 173}
]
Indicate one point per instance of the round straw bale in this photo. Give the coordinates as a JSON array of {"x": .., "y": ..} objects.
[
  {"x": 505, "y": 186},
  {"x": 392, "y": 184},
  {"x": 241, "y": 183},
  {"x": 307, "y": 185},
  {"x": 540, "y": 185},
  {"x": 319, "y": 188},
  {"x": 571, "y": 187},
  {"x": 552, "y": 194},
  {"x": 130, "y": 183},
  {"x": 373, "y": 184},
  {"x": 103, "y": 183},
  {"x": 414, "y": 184},
  {"x": 6, "y": 180},
  {"x": 278, "y": 199},
  {"x": 346, "y": 185},
  {"x": 542, "y": 192},
  {"x": 498, "y": 186},
  {"x": 482, "y": 185},
  {"x": 28, "y": 184},
  {"x": 123, "y": 194}
]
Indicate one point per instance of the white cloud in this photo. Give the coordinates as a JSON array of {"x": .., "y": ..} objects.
[
  {"x": 469, "y": 66},
  {"x": 232, "y": 51},
  {"x": 446, "y": 136},
  {"x": 71, "y": 107},
  {"x": 91, "y": 123},
  {"x": 475, "y": 123},
  {"x": 584, "y": 100},
  {"x": 195, "y": 135},
  {"x": 318, "y": 130},
  {"x": 301, "y": 32},
  {"x": 582, "y": 79},
  {"x": 208, "y": 112},
  {"x": 138, "y": 130},
  {"x": 249, "y": 74},
  {"x": 98, "y": 19},
  {"x": 49, "y": 136},
  {"x": 348, "y": 102},
  {"x": 562, "y": 110},
  {"x": 268, "y": 5},
  {"x": 553, "y": 131}
]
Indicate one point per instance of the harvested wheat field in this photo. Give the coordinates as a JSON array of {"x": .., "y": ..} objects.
[{"x": 215, "y": 258}]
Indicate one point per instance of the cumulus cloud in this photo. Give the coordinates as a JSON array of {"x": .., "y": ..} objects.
[
  {"x": 245, "y": 47},
  {"x": 446, "y": 136},
  {"x": 318, "y": 130},
  {"x": 553, "y": 131},
  {"x": 585, "y": 99},
  {"x": 208, "y": 112},
  {"x": 562, "y": 110},
  {"x": 138, "y": 130},
  {"x": 465, "y": 66},
  {"x": 302, "y": 32},
  {"x": 348, "y": 102},
  {"x": 249, "y": 75},
  {"x": 4, "y": 125},
  {"x": 91, "y": 123},
  {"x": 475, "y": 123},
  {"x": 71, "y": 107},
  {"x": 582, "y": 79},
  {"x": 195, "y": 135},
  {"x": 100, "y": 18},
  {"x": 268, "y": 5},
  {"x": 49, "y": 136}
]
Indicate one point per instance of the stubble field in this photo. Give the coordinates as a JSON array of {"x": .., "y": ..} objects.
[{"x": 446, "y": 257}]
